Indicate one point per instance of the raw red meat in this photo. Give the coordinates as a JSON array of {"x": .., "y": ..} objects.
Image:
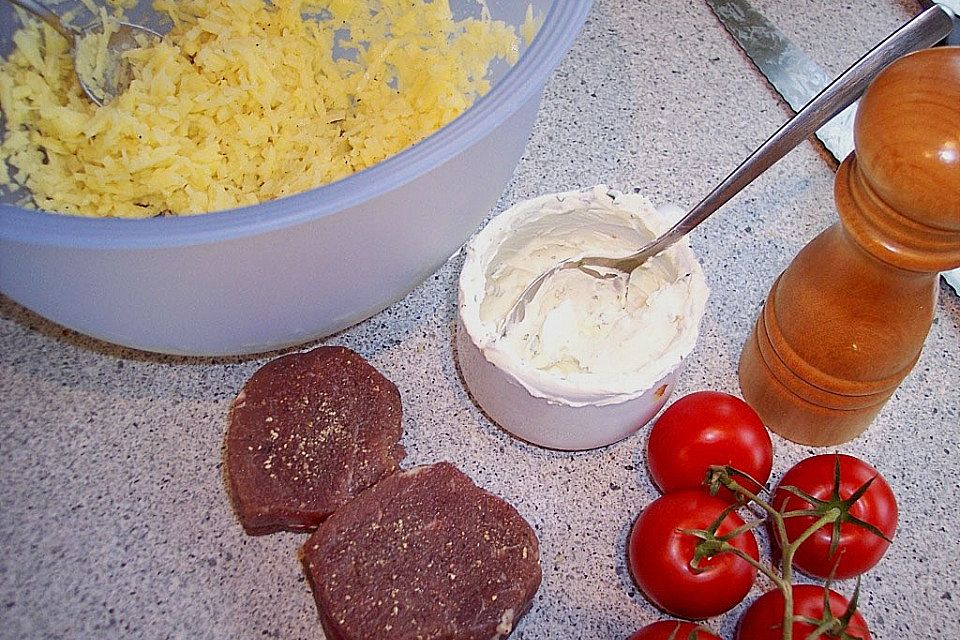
[
  {"x": 307, "y": 433},
  {"x": 426, "y": 554}
]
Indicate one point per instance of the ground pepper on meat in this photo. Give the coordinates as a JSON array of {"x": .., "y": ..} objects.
[
  {"x": 423, "y": 553},
  {"x": 307, "y": 433}
]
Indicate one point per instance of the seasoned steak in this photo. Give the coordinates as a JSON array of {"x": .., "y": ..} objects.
[
  {"x": 424, "y": 554},
  {"x": 307, "y": 433}
]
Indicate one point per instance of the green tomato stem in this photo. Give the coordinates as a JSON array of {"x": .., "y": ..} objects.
[
  {"x": 784, "y": 581},
  {"x": 786, "y": 564}
]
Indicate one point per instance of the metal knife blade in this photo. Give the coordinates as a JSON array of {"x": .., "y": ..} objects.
[{"x": 794, "y": 74}]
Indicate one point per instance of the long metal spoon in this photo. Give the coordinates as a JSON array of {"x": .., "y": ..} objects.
[
  {"x": 126, "y": 36},
  {"x": 924, "y": 30}
]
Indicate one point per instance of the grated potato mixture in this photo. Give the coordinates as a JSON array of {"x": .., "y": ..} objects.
[{"x": 243, "y": 101}]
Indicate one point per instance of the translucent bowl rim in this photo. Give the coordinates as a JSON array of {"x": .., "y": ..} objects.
[{"x": 517, "y": 87}]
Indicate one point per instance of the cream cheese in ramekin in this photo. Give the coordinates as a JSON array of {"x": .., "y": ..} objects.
[{"x": 583, "y": 340}]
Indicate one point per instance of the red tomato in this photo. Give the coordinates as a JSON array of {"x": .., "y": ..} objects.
[
  {"x": 763, "y": 620},
  {"x": 858, "y": 549},
  {"x": 660, "y": 553},
  {"x": 708, "y": 428},
  {"x": 673, "y": 630}
]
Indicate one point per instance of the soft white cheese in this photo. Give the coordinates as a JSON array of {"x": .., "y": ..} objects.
[{"x": 583, "y": 340}]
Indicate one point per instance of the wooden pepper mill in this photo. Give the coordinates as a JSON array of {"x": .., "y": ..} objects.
[{"x": 846, "y": 321}]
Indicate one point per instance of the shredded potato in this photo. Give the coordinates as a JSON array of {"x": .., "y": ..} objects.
[
  {"x": 93, "y": 65},
  {"x": 243, "y": 101}
]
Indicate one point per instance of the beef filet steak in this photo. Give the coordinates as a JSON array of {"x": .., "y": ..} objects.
[
  {"x": 423, "y": 554},
  {"x": 307, "y": 433}
]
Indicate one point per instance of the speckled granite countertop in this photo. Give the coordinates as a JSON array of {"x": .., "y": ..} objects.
[{"x": 113, "y": 517}]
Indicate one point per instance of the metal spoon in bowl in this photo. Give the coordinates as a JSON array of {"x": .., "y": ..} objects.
[
  {"x": 924, "y": 30},
  {"x": 126, "y": 36}
]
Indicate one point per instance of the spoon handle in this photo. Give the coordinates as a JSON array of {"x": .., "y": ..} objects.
[
  {"x": 924, "y": 30},
  {"x": 48, "y": 16}
]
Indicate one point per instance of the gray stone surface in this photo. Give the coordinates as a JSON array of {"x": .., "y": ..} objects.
[{"x": 113, "y": 518}]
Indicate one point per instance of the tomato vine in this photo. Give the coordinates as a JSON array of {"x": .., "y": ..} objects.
[{"x": 828, "y": 513}]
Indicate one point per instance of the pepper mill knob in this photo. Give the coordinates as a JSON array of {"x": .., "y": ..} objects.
[
  {"x": 907, "y": 139},
  {"x": 844, "y": 324}
]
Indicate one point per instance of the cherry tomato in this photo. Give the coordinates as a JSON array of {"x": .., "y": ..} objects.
[
  {"x": 763, "y": 620},
  {"x": 708, "y": 428},
  {"x": 858, "y": 548},
  {"x": 660, "y": 553},
  {"x": 673, "y": 630}
]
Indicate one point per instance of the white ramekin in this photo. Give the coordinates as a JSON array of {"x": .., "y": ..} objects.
[{"x": 557, "y": 419}]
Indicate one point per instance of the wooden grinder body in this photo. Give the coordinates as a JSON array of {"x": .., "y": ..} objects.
[{"x": 846, "y": 321}]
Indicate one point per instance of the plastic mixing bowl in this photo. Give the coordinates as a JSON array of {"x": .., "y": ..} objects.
[{"x": 283, "y": 272}]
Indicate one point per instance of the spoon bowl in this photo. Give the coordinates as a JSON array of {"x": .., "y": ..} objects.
[
  {"x": 101, "y": 80},
  {"x": 113, "y": 78}
]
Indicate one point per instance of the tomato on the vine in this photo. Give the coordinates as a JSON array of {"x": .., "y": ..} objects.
[
  {"x": 673, "y": 630},
  {"x": 868, "y": 521},
  {"x": 661, "y": 550},
  {"x": 708, "y": 428},
  {"x": 763, "y": 619}
]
